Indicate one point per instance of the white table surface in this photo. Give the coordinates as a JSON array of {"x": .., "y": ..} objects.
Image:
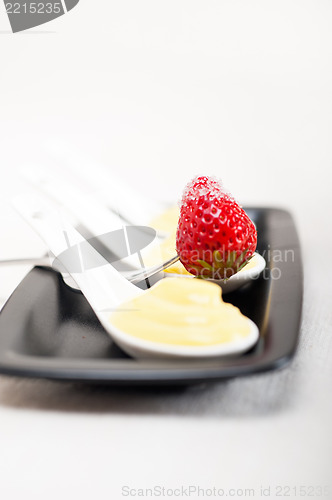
[{"x": 161, "y": 91}]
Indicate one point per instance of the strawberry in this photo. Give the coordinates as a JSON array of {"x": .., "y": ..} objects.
[{"x": 215, "y": 237}]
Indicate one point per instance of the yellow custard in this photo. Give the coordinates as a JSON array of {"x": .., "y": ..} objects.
[
  {"x": 167, "y": 223},
  {"x": 165, "y": 251},
  {"x": 187, "y": 312}
]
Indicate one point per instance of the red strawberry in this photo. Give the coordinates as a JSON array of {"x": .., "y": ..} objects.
[{"x": 215, "y": 237}]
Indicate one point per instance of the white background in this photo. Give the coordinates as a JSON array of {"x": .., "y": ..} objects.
[{"x": 162, "y": 91}]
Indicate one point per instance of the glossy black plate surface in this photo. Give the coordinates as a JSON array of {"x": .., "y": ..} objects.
[{"x": 48, "y": 330}]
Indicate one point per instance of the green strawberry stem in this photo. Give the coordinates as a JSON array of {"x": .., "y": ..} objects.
[{"x": 219, "y": 268}]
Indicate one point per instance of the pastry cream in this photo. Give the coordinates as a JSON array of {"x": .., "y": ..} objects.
[
  {"x": 165, "y": 251},
  {"x": 167, "y": 223},
  {"x": 188, "y": 312}
]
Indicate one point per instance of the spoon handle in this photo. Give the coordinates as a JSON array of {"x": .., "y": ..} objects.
[
  {"x": 101, "y": 284},
  {"x": 134, "y": 207},
  {"x": 28, "y": 261},
  {"x": 95, "y": 217}
]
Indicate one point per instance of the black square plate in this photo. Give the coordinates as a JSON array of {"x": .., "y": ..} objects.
[{"x": 48, "y": 330}]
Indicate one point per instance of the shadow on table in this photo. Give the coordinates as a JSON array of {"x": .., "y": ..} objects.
[{"x": 243, "y": 397}]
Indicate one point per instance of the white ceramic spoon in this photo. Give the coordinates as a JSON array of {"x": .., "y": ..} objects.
[
  {"x": 137, "y": 209},
  {"x": 98, "y": 219},
  {"x": 105, "y": 289},
  {"x": 92, "y": 214},
  {"x": 112, "y": 192},
  {"x": 247, "y": 274}
]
